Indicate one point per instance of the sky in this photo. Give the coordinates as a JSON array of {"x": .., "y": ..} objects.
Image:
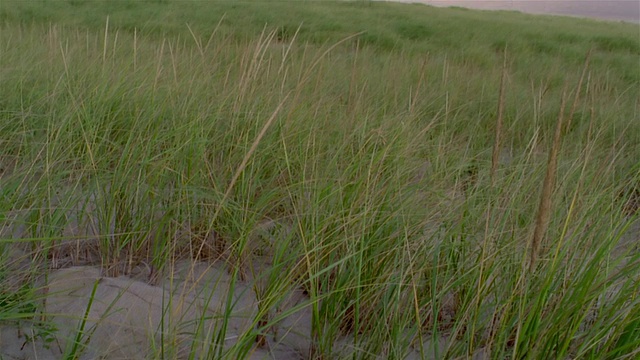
[{"x": 616, "y": 10}]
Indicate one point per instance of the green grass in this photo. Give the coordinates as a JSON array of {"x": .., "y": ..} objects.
[{"x": 362, "y": 133}]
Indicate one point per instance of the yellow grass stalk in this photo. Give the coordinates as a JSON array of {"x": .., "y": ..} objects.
[
  {"x": 196, "y": 40},
  {"x": 106, "y": 37},
  {"x": 413, "y": 97},
  {"x": 496, "y": 144},
  {"x": 244, "y": 163},
  {"x": 215, "y": 31},
  {"x": 576, "y": 98},
  {"x": 135, "y": 49}
]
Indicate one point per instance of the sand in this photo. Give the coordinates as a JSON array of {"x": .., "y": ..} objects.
[
  {"x": 126, "y": 319},
  {"x": 130, "y": 318}
]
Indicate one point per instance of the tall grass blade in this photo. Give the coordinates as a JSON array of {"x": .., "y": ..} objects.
[{"x": 495, "y": 157}]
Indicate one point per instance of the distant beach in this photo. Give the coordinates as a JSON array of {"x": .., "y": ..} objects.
[{"x": 613, "y": 10}]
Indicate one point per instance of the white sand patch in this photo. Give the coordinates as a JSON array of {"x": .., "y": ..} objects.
[{"x": 130, "y": 319}]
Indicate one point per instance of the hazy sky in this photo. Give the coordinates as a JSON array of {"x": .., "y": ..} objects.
[{"x": 627, "y": 10}]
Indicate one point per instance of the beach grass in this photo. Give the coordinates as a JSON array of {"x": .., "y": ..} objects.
[{"x": 423, "y": 176}]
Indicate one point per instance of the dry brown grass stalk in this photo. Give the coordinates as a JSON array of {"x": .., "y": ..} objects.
[{"x": 544, "y": 209}]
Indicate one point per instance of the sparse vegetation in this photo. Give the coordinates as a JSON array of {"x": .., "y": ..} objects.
[{"x": 340, "y": 154}]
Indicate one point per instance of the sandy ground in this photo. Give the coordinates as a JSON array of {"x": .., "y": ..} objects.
[
  {"x": 132, "y": 319},
  {"x": 126, "y": 319},
  {"x": 613, "y": 10},
  {"x": 177, "y": 312}
]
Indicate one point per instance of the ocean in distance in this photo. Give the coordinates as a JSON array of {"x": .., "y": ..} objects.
[{"x": 613, "y": 10}]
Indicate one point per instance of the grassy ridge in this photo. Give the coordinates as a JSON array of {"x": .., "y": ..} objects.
[
  {"x": 358, "y": 164},
  {"x": 387, "y": 25}
]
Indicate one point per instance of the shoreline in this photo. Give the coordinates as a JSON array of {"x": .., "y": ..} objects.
[{"x": 615, "y": 11}]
